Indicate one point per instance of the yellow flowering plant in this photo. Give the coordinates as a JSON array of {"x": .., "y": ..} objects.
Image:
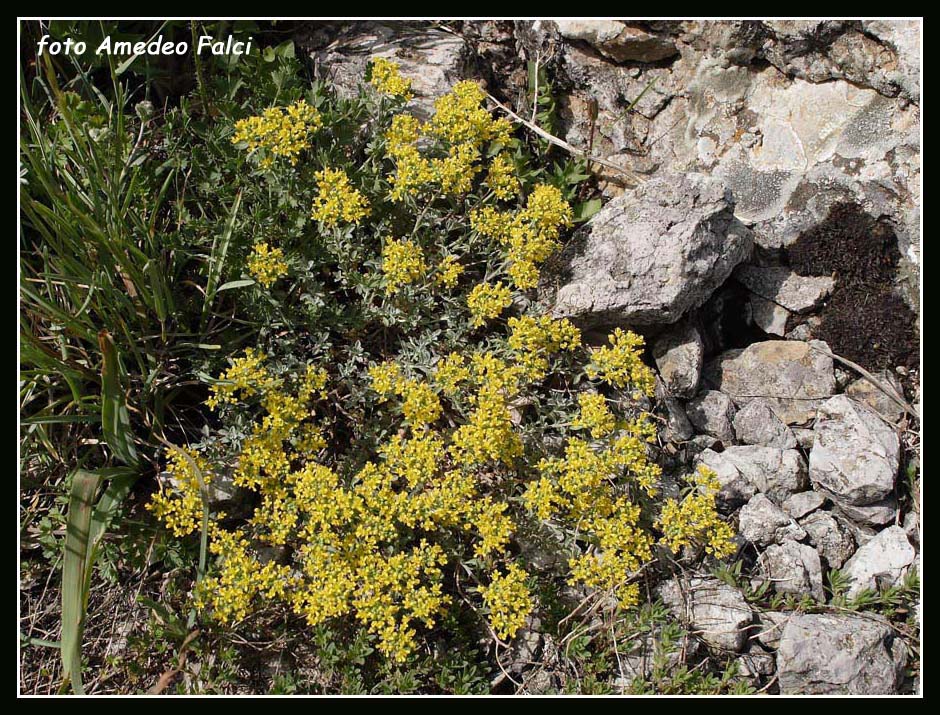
[{"x": 410, "y": 409}]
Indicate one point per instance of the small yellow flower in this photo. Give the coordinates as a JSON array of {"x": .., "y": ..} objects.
[
  {"x": 387, "y": 79},
  {"x": 509, "y": 601},
  {"x": 402, "y": 263},
  {"x": 337, "y": 201},
  {"x": 449, "y": 271},
  {"x": 488, "y": 300},
  {"x": 279, "y": 132},
  {"x": 501, "y": 177},
  {"x": 266, "y": 264}
]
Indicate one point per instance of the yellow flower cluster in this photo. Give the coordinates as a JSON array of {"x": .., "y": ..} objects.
[
  {"x": 501, "y": 177},
  {"x": 694, "y": 520},
  {"x": 240, "y": 578},
  {"x": 488, "y": 434},
  {"x": 420, "y": 404},
  {"x": 488, "y": 300},
  {"x": 456, "y": 171},
  {"x": 266, "y": 264},
  {"x": 387, "y": 79},
  {"x": 621, "y": 365},
  {"x": 459, "y": 118},
  {"x": 451, "y": 371},
  {"x": 402, "y": 135},
  {"x": 465, "y": 126},
  {"x": 530, "y": 234},
  {"x": 181, "y": 506},
  {"x": 378, "y": 542},
  {"x": 350, "y": 558},
  {"x": 279, "y": 132},
  {"x": 247, "y": 375},
  {"x": 534, "y": 340},
  {"x": 623, "y": 546},
  {"x": 577, "y": 489},
  {"x": 595, "y": 415},
  {"x": 402, "y": 263},
  {"x": 386, "y": 378},
  {"x": 449, "y": 271},
  {"x": 509, "y": 601},
  {"x": 336, "y": 200}
]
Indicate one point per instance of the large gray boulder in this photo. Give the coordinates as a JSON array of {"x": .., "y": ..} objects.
[
  {"x": 845, "y": 654},
  {"x": 881, "y": 562},
  {"x": 791, "y": 376},
  {"x": 855, "y": 455},
  {"x": 716, "y": 612},
  {"x": 651, "y": 255}
]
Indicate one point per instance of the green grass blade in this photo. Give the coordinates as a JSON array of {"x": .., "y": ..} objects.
[
  {"x": 115, "y": 419},
  {"x": 122, "y": 480},
  {"x": 75, "y": 574},
  {"x": 217, "y": 257}
]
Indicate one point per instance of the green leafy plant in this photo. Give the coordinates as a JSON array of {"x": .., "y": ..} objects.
[{"x": 396, "y": 441}]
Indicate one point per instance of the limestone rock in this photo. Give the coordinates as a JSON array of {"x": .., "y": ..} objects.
[
  {"x": 432, "y": 59},
  {"x": 845, "y": 654},
  {"x": 678, "y": 354},
  {"x": 800, "y": 504},
  {"x": 717, "y": 612},
  {"x": 769, "y": 628},
  {"x": 756, "y": 423},
  {"x": 756, "y": 663},
  {"x": 832, "y": 539},
  {"x": 712, "y": 412},
  {"x": 779, "y": 284},
  {"x": 863, "y": 391},
  {"x": 855, "y": 455},
  {"x": 762, "y": 523},
  {"x": 875, "y": 515},
  {"x": 678, "y": 427},
  {"x": 649, "y": 256},
  {"x": 618, "y": 41},
  {"x": 778, "y": 473},
  {"x": 793, "y": 568},
  {"x": 881, "y": 562},
  {"x": 770, "y": 317},
  {"x": 790, "y": 376},
  {"x": 735, "y": 488}
]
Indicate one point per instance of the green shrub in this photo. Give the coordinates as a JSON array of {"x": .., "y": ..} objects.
[{"x": 408, "y": 406}]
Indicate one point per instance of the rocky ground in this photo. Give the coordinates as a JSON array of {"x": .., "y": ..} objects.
[{"x": 765, "y": 239}]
